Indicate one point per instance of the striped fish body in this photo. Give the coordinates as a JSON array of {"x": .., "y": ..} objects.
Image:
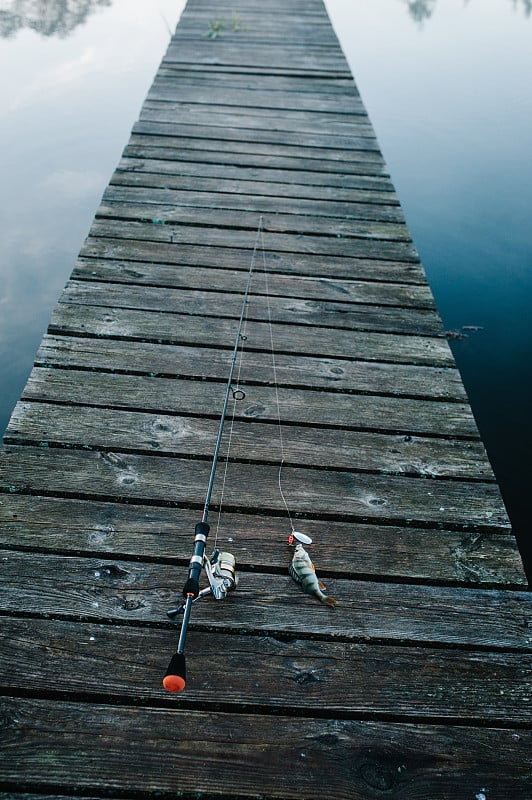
[{"x": 302, "y": 571}]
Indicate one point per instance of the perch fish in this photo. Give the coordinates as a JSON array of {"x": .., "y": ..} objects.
[{"x": 302, "y": 571}]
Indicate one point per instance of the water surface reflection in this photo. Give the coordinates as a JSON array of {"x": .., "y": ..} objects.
[
  {"x": 51, "y": 18},
  {"x": 68, "y": 104},
  {"x": 421, "y": 10}
]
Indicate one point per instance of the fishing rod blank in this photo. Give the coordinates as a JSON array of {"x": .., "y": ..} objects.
[{"x": 223, "y": 576}]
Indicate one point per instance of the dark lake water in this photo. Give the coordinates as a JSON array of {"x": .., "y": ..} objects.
[{"x": 447, "y": 86}]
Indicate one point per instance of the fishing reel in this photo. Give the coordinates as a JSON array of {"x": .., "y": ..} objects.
[
  {"x": 222, "y": 577},
  {"x": 221, "y": 574}
]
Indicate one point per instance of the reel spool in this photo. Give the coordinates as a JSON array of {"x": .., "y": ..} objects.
[
  {"x": 221, "y": 574},
  {"x": 222, "y": 577}
]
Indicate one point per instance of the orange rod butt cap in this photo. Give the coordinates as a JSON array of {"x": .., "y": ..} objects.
[
  {"x": 175, "y": 676},
  {"x": 174, "y": 683}
]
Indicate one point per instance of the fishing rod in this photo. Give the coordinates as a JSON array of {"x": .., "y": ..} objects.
[{"x": 220, "y": 568}]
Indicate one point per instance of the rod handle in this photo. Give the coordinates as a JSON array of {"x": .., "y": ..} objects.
[{"x": 175, "y": 677}]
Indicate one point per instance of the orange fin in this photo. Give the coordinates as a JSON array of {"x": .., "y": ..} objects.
[{"x": 330, "y": 601}]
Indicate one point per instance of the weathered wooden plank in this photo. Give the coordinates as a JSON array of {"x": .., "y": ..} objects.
[
  {"x": 288, "y": 111},
  {"x": 172, "y": 434},
  {"x": 23, "y": 795},
  {"x": 255, "y": 21},
  {"x": 164, "y": 90},
  {"x": 216, "y": 276},
  {"x": 101, "y": 589},
  {"x": 250, "y": 21},
  {"x": 343, "y": 183},
  {"x": 300, "y": 126},
  {"x": 299, "y": 9},
  {"x": 363, "y": 497},
  {"x": 301, "y": 134},
  {"x": 335, "y": 375},
  {"x": 140, "y": 257},
  {"x": 164, "y": 145},
  {"x": 226, "y": 287},
  {"x": 258, "y": 70},
  {"x": 266, "y": 672},
  {"x": 296, "y": 200},
  {"x": 171, "y": 206},
  {"x": 314, "y": 35},
  {"x": 80, "y": 320},
  {"x": 254, "y": 16},
  {"x": 336, "y": 316},
  {"x": 282, "y": 56},
  {"x": 317, "y": 245},
  {"x": 299, "y": 145},
  {"x": 219, "y": 752},
  {"x": 317, "y": 198},
  {"x": 248, "y": 80},
  {"x": 303, "y": 406},
  {"x": 150, "y": 532},
  {"x": 271, "y": 52}
]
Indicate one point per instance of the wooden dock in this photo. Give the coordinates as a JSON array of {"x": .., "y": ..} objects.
[{"x": 417, "y": 685}]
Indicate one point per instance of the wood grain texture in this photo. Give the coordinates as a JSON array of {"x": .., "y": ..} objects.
[
  {"x": 333, "y": 375},
  {"x": 278, "y": 292},
  {"x": 127, "y": 661},
  {"x": 303, "y": 135},
  {"x": 417, "y": 685},
  {"x": 366, "y": 246},
  {"x": 75, "y": 319},
  {"x": 150, "y": 140},
  {"x": 117, "y": 591},
  {"x": 312, "y": 313},
  {"x": 163, "y": 90},
  {"x": 251, "y": 441},
  {"x": 227, "y": 190},
  {"x": 149, "y": 532},
  {"x": 370, "y": 189},
  {"x": 137, "y": 258},
  {"x": 219, "y": 751},
  {"x": 320, "y": 493},
  {"x": 172, "y": 207}
]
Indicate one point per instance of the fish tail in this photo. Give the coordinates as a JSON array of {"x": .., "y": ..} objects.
[{"x": 328, "y": 601}]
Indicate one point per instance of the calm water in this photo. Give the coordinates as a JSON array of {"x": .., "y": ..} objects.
[{"x": 447, "y": 85}]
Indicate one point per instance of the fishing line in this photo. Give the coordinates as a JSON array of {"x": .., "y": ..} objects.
[
  {"x": 220, "y": 568},
  {"x": 237, "y": 393},
  {"x": 276, "y": 387},
  {"x": 229, "y": 387}
]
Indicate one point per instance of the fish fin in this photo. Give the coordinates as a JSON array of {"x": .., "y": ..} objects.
[
  {"x": 330, "y": 601},
  {"x": 322, "y": 585}
]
